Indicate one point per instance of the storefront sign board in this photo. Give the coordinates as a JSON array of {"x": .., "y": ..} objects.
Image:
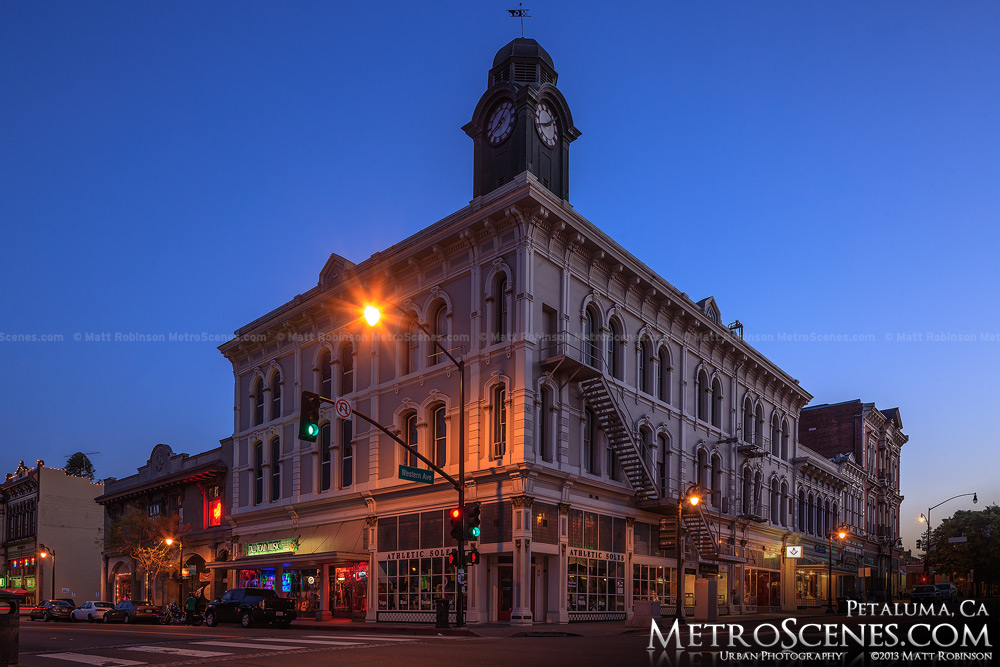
[{"x": 272, "y": 547}]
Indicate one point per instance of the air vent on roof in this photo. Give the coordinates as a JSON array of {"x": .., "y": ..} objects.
[
  {"x": 546, "y": 76},
  {"x": 502, "y": 74},
  {"x": 525, "y": 72}
]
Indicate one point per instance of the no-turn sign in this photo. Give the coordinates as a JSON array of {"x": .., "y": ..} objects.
[{"x": 343, "y": 408}]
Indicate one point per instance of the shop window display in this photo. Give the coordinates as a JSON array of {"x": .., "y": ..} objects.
[
  {"x": 596, "y": 585},
  {"x": 413, "y": 584}
]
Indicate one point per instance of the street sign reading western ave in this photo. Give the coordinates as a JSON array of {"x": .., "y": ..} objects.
[
  {"x": 793, "y": 552},
  {"x": 411, "y": 474}
]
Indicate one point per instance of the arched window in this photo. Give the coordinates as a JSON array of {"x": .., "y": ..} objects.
[
  {"x": 614, "y": 349},
  {"x": 275, "y": 470},
  {"x": 611, "y": 461},
  {"x": 326, "y": 461},
  {"x": 717, "y": 487},
  {"x": 663, "y": 379},
  {"x": 810, "y": 515},
  {"x": 702, "y": 396},
  {"x": 784, "y": 504},
  {"x": 836, "y": 517},
  {"x": 591, "y": 335},
  {"x": 410, "y": 438},
  {"x": 784, "y": 439},
  {"x": 717, "y": 403},
  {"x": 439, "y": 322},
  {"x": 258, "y": 472},
  {"x": 500, "y": 309},
  {"x": 258, "y": 400},
  {"x": 747, "y": 421},
  {"x": 827, "y": 525},
  {"x": 545, "y": 444},
  {"x": 440, "y": 436},
  {"x": 275, "y": 395},
  {"x": 326, "y": 374},
  {"x": 747, "y": 491},
  {"x": 589, "y": 441},
  {"x": 411, "y": 345},
  {"x": 775, "y": 501},
  {"x": 346, "y": 453},
  {"x": 663, "y": 464},
  {"x": 802, "y": 511},
  {"x": 775, "y": 436},
  {"x": 347, "y": 369},
  {"x": 646, "y": 366},
  {"x": 702, "y": 472},
  {"x": 759, "y": 424},
  {"x": 499, "y": 421}
]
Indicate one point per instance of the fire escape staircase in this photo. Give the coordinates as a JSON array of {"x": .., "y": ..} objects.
[
  {"x": 699, "y": 532},
  {"x": 621, "y": 437}
]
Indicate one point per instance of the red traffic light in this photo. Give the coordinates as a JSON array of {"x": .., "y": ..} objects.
[
  {"x": 456, "y": 512},
  {"x": 457, "y": 523}
]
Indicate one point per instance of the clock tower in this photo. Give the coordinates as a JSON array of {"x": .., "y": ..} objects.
[{"x": 522, "y": 122}]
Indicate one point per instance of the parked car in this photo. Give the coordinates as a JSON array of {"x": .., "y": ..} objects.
[
  {"x": 949, "y": 592},
  {"x": 91, "y": 610},
  {"x": 249, "y": 606},
  {"x": 52, "y": 610},
  {"x": 926, "y": 593},
  {"x": 132, "y": 611}
]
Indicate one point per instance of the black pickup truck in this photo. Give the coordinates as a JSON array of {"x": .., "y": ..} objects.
[{"x": 248, "y": 606}]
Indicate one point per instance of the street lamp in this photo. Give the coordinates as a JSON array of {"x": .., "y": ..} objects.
[
  {"x": 841, "y": 534},
  {"x": 927, "y": 520},
  {"x": 180, "y": 567},
  {"x": 44, "y": 553},
  {"x": 372, "y": 315},
  {"x": 691, "y": 496}
]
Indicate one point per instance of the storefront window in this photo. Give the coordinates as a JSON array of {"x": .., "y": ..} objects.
[
  {"x": 413, "y": 584},
  {"x": 596, "y": 585},
  {"x": 762, "y": 587},
  {"x": 651, "y": 582},
  {"x": 349, "y": 589}
]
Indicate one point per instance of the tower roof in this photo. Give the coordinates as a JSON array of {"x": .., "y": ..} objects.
[{"x": 522, "y": 47}]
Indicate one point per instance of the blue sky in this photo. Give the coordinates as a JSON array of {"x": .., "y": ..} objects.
[{"x": 821, "y": 168}]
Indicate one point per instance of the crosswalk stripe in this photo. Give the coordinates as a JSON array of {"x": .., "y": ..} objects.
[
  {"x": 274, "y": 647},
  {"x": 86, "y": 659},
  {"x": 176, "y": 650},
  {"x": 324, "y": 642},
  {"x": 370, "y": 638}
]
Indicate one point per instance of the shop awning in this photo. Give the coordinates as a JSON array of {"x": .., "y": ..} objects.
[
  {"x": 290, "y": 560},
  {"x": 317, "y": 545},
  {"x": 812, "y": 563}
]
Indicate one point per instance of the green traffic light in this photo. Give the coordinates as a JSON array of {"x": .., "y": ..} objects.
[
  {"x": 312, "y": 429},
  {"x": 474, "y": 531}
]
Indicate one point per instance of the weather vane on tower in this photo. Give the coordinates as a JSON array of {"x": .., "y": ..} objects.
[{"x": 521, "y": 13}]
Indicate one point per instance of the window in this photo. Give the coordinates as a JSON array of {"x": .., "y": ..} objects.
[
  {"x": 258, "y": 466},
  {"x": 614, "y": 349},
  {"x": 325, "y": 457},
  {"x": 499, "y": 421},
  {"x": 747, "y": 492},
  {"x": 326, "y": 375},
  {"x": 410, "y": 437},
  {"x": 759, "y": 424},
  {"x": 440, "y": 331},
  {"x": 347, "y": 369},
  {"x": 258, "y": 398},
  {"x": 702, "y": 396},
  {"x": 500, "y": 309},
  {"x": 810, "y": 514},
  {"x": 545, "y": 444},
  {"x": 589, "y": 441},
  {"x": 275, "y": 470},
  {"x": 783, "y": 512},
  {"x": 775, "y": 436},
  {"x": 747, "y": 421},
  {"x": 411, "y": 345},
  {"x": 663, "y": 377},
  {"x": 775, "y": 501},
  {"x": 612, "y": 462},
  {"x": 276, "y": 396},
  {"x": 440, "y": 436},
  {"x": 663, "y": 464},
  {"x": 214, "y": 512},
  {"x": 802, "y": 511},
  {"x": 590, "y": 336},
  {"x": 155, "y": 508},
  {"x": 717, "y": 486},
  {"x": 645, "y": 364},
  {"x": 717, "y": 403},
  {"x": 784, "y": 439},
  {"x": 346, "y": 454}
]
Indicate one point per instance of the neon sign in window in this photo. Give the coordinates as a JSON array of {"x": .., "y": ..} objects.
[{"x": 215, "y": 512}]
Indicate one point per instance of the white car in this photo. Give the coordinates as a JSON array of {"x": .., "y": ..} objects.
[{"x": 92, "y": 610}]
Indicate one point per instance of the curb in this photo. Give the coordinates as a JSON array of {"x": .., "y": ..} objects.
[{"x": 385, "y": 629}]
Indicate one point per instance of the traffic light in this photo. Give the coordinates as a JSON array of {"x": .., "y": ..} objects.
[
  {"x": 472, "y": 558},
  {"x": 453, "y": 558},
  {"x": 918, "y": 544},
  {"x": 309, "y": 417},
  {"x": 457, "y": 523},
  {"x": 472, "y": 521}
]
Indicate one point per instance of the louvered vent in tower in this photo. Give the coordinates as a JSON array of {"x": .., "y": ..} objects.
[{"x": 526, "y": 73}]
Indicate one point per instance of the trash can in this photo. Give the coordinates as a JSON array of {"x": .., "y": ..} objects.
[
  {"x": 10, "y": 628},
  {"x": 442, "y": 607}
]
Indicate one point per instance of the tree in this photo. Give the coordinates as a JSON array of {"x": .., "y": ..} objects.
[
  {"x": 975, "y": 558},
  {"x": 142, "y": 538},
  {"x": 79, "y": 465}
]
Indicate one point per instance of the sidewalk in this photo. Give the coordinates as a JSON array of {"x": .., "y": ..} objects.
[{"x": 501, "y": 630}]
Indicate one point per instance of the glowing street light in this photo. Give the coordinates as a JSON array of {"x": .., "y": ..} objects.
[
  {"x": 372, "y": 315},
  {"x": 691, "y": 495}
]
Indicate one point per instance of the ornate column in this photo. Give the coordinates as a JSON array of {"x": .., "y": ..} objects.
[
  {"x": 629, "y": 551},
  {"x": 371, "y": 525},
  {"x": 521, "y": 612},
  {"x": 562, "y": 572}
]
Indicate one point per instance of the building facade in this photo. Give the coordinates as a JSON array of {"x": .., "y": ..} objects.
[
  {"x": 51, "y": 529},
  {"x": 193, "y": 489},
  {"x": 598, "y": 396},
  {"x": 874, "y": 440}
]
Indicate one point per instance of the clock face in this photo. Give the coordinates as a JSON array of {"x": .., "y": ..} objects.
[
  {"x": 501, "y": 123},
  {"x": 546, "y": 124}
]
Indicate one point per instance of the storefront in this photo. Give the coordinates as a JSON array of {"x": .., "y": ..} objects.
[
  {"x": 762, "y": 580},
  {"x": 22, "y": 575},
  {"x": 410, "y": 581},
  {"x": 596, "y": 585}
]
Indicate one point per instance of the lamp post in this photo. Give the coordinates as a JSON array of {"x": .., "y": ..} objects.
[
  {"x": 841, "y": 534},
  {"x": 50, "y": 552},
  {"x": 372, "y": 315},
  {"x": 692, "y": 497},
  {"x": 927, "y": 520},
  {"x": 180, "y": 568}
]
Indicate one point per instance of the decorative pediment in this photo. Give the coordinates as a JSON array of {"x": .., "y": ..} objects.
[
  {"x": 334, "y": 271},
  {"x": 711, "y": 309}
]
